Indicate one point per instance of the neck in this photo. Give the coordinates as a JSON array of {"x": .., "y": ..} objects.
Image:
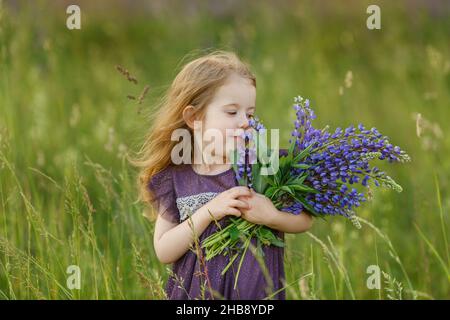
[{"x": 211, "y": 169}]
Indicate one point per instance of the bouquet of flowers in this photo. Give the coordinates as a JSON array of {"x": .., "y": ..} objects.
[{"x": 317, "y": 175}]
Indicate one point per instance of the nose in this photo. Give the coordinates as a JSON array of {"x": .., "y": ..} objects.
[{"x": 243, "y": 122}]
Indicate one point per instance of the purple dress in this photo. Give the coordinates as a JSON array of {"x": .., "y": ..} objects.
[{"x": 179, "y": 192}]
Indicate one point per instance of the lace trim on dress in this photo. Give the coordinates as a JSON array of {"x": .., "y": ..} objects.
[{"x": 188, "y": 205}]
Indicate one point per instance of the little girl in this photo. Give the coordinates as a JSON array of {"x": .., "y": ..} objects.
[{"x": 219, "y": 91}]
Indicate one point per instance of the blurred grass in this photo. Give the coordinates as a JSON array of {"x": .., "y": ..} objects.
[{"x": 67, "y": 194}]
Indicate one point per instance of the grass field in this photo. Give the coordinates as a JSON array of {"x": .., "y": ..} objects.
[{"x": 68, "y": 194}]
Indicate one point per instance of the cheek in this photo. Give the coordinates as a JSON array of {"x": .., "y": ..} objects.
[
  {"x": 219, "y": 122},
  {"x": 212, "y": 121}
]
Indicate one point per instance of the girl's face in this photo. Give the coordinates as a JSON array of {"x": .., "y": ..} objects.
[{"x": 230, "y": 110}]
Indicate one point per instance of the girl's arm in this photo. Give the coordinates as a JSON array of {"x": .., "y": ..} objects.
[
  {"x": 264, "y": 212},
  {"x": 172, "y": 240},
  {"x": 290, "y": 223}
]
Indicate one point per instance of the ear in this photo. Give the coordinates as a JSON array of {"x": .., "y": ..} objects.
[{"x": 189, "y": 116}]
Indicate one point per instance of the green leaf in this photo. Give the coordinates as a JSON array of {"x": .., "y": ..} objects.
[
  {"x": 268, "y": 237},
  {"x": 234, "y": 233},
  {"x": 277, "y": 178},
  {"x": 264, "y": 232},
  {"x": 303, "y": 188},
  {"x": 302, "y": 154},
  {"x": 291, "y": 148},
  {"x": 270, "y": 192},
  {"x": 258, "y": 183},
  {"x": 278, "y": 189},
  {"x": 268, "y": 180},
  {"x": 301, "y": 166},
  {"x": 262, "y": 182},
  {"x": 261, "y": 146},
  {"x": 297, "y": 181},
  {"x": 259, "y": 247},
  {"x": 306, "y": 205},
  {"x": 287, "y": 189},
  {"x": 277, "y": 242}
]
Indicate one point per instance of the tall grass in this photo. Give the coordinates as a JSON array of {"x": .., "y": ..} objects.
[{"x": 68, "y": 193}]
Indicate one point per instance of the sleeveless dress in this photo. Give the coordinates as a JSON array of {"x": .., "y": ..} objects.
[{"x": 179, "y": 191}]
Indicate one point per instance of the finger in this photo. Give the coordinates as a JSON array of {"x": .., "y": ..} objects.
[
  {"x": 240, "y": 204},
  {"x": 243, "y": 198},
  {"x": 234, "y": 212},
  {"x": 239, "y": 191}
]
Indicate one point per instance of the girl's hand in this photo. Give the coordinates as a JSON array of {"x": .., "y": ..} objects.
[
  {"x": 262, "y": 211},
  {"x": 227, "y": 203}
]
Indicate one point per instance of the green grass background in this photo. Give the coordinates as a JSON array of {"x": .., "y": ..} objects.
[{"x": 67, "y": 193}]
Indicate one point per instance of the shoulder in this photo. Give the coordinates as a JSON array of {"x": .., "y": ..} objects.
[
  {"x": 180, "y": 169},
  {"x": 161, "y": 179},
  {"x": 163, "y": 173},
  {"x": 167, "y": 175}
]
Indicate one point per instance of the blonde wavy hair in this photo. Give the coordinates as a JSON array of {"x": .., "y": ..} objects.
[{"x": 195, "y": 85}]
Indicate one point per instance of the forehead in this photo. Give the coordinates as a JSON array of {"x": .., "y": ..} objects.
[{"x": 236, "y": 89}]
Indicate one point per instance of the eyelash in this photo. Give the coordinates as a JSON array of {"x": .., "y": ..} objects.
[{"x": 234, "y": 113}]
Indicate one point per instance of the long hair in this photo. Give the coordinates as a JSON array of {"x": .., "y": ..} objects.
[{"x": 195, "y": 85}]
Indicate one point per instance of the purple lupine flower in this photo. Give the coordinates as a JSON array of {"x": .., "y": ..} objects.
[
  {"x": 295, "y": 208},
  {"x": 340, "y": 158},
  {"x": 247, "y": 153}
]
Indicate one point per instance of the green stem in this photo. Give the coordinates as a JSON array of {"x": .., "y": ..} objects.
[{"x": 247, "y": 244}]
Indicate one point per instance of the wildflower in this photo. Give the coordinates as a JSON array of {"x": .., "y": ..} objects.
[
  {"x": 341, "y": 158},
  {"x": 324, "y": 169}
]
